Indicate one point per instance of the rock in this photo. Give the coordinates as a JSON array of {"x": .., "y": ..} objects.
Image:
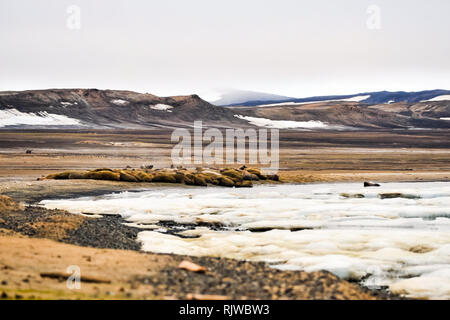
[
  {"x": 393, "y": 195},
  {"x": 390, "y": 195},
  {"x": 420, "y": 249},
  {"x": 28, "y": 151},
  {"x": 352, "y": 195},
  {"x": 370, "y": 184},
  {"x": 190, "y": 266}
]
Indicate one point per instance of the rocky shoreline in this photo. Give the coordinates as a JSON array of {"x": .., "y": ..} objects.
[{"x": 224, "y": 278}]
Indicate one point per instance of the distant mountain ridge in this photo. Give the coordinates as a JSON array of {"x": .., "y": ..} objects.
[
  {"x": 235, "y": 97},
  {"x": 378, "y": 97},
  {"x": 118, "y": 109}
]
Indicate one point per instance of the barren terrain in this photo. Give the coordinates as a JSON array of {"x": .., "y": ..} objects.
[
  {"x": 35, "y": 268},
  {"x": 317, "y": 156}
]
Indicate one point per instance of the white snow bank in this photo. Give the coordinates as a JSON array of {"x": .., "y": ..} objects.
[
  {"x": 66, "y": 103},
  {"x": 283, "y": 124},
  {"x": 12, "y": 117},
  {"x": 355, "y": 99},
  {"x": 120, "y": 102},
  {"x": 162, "y": 107},
  {"x": 440, "y": 98},
  {"x": 352, "y": 99},
  {"x": 433, "y": 285}
]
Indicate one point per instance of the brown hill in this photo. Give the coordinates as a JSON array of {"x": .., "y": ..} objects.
[
  {"x": 358, "y": 115},
  {"x": 120, "y": 109}
]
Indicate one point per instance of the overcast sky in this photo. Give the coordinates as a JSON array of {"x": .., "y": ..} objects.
[{"x": 289, "y": 47}]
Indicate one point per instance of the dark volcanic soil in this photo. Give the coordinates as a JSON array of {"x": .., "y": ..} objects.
[
  {"x": 106, "y": 232},
  {"x": 236, "y": 279}
]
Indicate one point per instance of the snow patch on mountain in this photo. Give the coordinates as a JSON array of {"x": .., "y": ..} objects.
[
  {"x": 352, "y": 99},
  {"x": 162, "y": 107},
  {"x": 440, "y": 98},
  {"x": 119, "y": 102},
  {"x": 224, "y": 97},
  {"x": 283, "y": 124},
  {"x": 66, "y": 103},
  {"x": 12, "y": 117}
]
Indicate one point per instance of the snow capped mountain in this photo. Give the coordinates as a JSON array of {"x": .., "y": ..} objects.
[
  {"x": 228, "y": 97},
  {"x": 251, "y": 98},
  {"x": 93, "y": 108}
]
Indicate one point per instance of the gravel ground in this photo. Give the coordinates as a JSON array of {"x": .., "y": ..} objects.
[
  {"x": 106, "y": 232},
  {"x": 228, "y": 278},
  {"x": 237, "y": 279}
]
